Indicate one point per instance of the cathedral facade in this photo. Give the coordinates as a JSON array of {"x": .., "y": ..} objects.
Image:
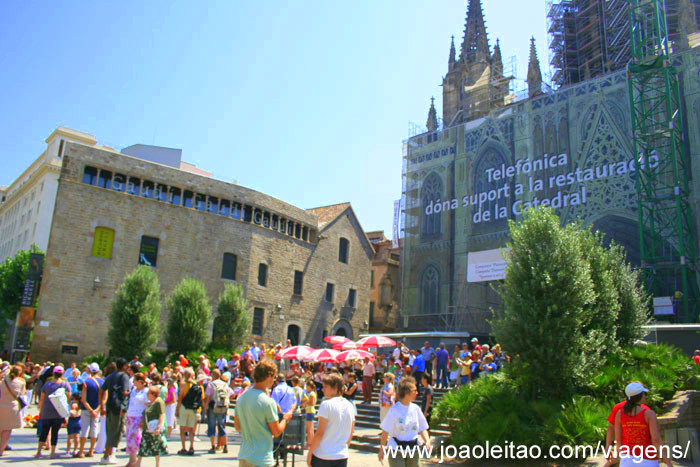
[{"x": 493, "y": 156}]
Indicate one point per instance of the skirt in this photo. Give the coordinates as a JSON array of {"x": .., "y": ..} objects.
[
  {"x": 170, "y": 415},
  {"x": 133, "y": 434},
  {"x": 152, "y": 445}
]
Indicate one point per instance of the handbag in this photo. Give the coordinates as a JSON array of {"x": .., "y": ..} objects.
[
  {"x": 21, "y": 400},
  {"x": 60, "y": 402}
]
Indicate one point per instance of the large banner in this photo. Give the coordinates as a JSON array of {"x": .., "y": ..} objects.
[{"x": 487, "y": 265}]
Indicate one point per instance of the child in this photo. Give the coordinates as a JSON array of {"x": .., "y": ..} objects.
[
  {"x": 309, "y": 403},
  {"x": 387, "y": 396},
  {"x": 74, "y": 424}
]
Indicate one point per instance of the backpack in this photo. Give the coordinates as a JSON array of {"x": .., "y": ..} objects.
[
  {"x": 115, "y": 395},
  {"x": 221, "y": 400},
  {"x": 193, "y": 398}
]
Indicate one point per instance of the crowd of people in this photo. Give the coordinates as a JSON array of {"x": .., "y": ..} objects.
[{"x": 98, "y": 406}]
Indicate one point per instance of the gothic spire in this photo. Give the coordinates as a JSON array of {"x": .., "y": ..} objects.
[
  {"x": 534, "y": 75},
  {"x": 475, "y": 45},
  {"x": 432, "y": 123},
  {"x": 497, "y": 61},
  {"x": 451, "y": 62}
]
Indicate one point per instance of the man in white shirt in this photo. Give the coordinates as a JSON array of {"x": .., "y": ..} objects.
[{"x": 221, "y": 363}]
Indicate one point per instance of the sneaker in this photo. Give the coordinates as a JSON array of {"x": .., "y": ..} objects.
[
  {"x": 108, "y": 460},
  {"x": 196, "y": 438},
  {"x": 212, "y": 450}
]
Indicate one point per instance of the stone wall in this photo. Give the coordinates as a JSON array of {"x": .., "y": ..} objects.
[
  {"x": 680, "y": 423},
  {"x": 72, "y": 311}
]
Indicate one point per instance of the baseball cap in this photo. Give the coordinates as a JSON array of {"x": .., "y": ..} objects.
[
  {"x": 94, "y": 367},
  {"x": 58, "y": 369},
  {"x": 474, "y": 339},
  {"x": 634, "y": 389}
]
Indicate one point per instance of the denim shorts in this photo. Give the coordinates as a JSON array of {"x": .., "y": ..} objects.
[
  {"x": 310, "y": 417},
  {"x": 216, "y": 422}
]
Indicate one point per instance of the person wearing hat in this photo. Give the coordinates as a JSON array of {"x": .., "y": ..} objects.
[
  {"x": 90, "y": 415},
  {"x": 637, "y": 430},
  {"x": 51, "y": 420},
  {"x": 475, "y": 344},
  {"x": 610, "y": 437}
]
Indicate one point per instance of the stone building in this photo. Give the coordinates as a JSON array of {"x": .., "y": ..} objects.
[
  {"x": 115, "y": 211},
  {"x": 385, "y": 290}
]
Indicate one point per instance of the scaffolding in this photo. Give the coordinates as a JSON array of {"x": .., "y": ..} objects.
[
  {"x": 662, "y": 166},
  {"x": 588, "y": 38}
]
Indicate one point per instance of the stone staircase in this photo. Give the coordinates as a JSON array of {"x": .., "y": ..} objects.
[{"x": 367, "y": 431}]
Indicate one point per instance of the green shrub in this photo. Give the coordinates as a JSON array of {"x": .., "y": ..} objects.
[
  {"x": 135, "y": 321},
  {"x": 189, "y": 317},
  {"x": 496, "y": 409},
  {"x": 99, "y": 358},
  {"x": 232, "y": 323}
]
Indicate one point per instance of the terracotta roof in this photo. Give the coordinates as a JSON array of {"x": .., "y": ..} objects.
[{"x": 326, "y": 214}]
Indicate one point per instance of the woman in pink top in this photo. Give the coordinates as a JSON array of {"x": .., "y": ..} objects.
[
  {"x": 637, "y": 431},
  {"x": 171, "y": 405}
]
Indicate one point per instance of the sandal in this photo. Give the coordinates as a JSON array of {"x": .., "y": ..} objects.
[
  {"x": 190, "y": 452},
  {"x": 182, "y": 452}
]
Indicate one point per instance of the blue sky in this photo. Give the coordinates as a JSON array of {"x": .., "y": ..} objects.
[{"x": 307, "y": 101}]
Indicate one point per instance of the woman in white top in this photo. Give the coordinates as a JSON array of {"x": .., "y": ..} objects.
[
  {"x": 138, "y": 398},
  {"x": 403, "y": 425},
  {"x": 336, "y": 423}
]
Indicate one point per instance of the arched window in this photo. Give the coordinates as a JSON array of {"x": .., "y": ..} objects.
[
  {"x": 564, "y": 137},
  {"x": 430, "y": 290},
  {"x": 293, "y": 334},
  {"x": 431, "y": 192},
  {"x": 491, "y": 158}
]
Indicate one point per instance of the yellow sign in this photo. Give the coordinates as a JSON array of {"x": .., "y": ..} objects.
[{"x": 102, "y": 242}]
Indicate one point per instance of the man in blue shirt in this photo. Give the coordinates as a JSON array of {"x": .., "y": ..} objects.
[
  {"x": 284, "y": 396},
  {"x": 255, "y": 350},
  {"x": 418, "y": 369},
  {"x": 428, "y": 354},
  {"x": 443, "y": 360}
]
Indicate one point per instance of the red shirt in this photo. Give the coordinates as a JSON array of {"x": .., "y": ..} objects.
[
  {"x": 184, "y": 362},
  {"x": 617, "y": 408},
  {"x": 697, "y": 359},
  {"x": 635, "y": 432}
]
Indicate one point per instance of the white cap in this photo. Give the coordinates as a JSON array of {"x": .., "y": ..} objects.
[
  {"x": 94, "y": 367},
  {"x": 635, "y": 388}
]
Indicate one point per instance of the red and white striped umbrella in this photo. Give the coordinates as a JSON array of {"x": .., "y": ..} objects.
[
  {"x": 353, "y": 355},
  {"x": 336, "y": 339},
  {"x": 321, "y": 355},
  {"x": 376, "y": 341},
  {"x": 296, "y": 352},
  {"x": 349, "y": 345}
]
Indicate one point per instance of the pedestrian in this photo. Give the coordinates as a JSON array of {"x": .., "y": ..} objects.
[
  {"x": 427, "y": 401},
  {"x": 216, "y": 403},
  {"x": 336, "y": 424},
  {"x": 403, "y": 426},
  {"x": 610, "y": 437},
  {"x": 442, "y": 357},
  {"x": 310, "y": 409},
  {"x": 637, "y": 430},
  {"x": 387, "y": 396},
  {"x": 171, "y": 405},
  {"x": 367, "y": 377},
  {"x": 73, "y": 425},
  {"x": 51, "y": 419},
  {"x": 110, "y": 368},
  {"x": 189, "y": 405},
  {"x": 12, "y": 401},
  {"x": 455, "y": 366},
  {"x": 153, "y": 442},
  {"x": 350, "y": 391},
  {"x": 419, "y": 365},
  {"x": 113, "y": 396},
  {"x": 90, "y": 416},
  {"x": 284, "y": 396},
  {"x": 138, "y": 398},
  {"x": 256, "y": 419},
  {"x": 696, "y": 357},
  {"x": 429, "y": 355}
]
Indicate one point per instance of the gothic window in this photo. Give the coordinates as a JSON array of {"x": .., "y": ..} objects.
[
  {"x": 431, "y": 192},
  {"x": 430, "y": 290},
  {"x": 538, "y": 139},
  {"x": 551, "y": 140},
  {"x": 551, "y": 149},
  {"x": 490, "y": 159},
  {"x": 564, "y": 137}
]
